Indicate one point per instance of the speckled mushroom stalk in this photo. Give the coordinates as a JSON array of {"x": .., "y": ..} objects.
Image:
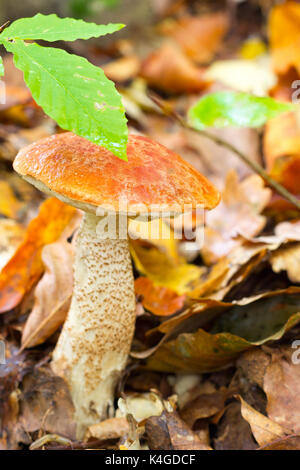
[{"x": 93, "y": 347}]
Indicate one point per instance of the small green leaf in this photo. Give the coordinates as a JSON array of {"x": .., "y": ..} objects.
[
  {"x": 235, "y": 109},
  {"x": 1, "y": 67},
  {"x": 75, "y": 93},
  {"x": 53, "y": 28}
]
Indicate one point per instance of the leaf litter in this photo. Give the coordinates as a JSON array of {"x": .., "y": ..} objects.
[{"x": 212, "y": 364}]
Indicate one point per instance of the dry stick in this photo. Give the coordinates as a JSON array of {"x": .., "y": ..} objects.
[{"x": 169, "y": 111}]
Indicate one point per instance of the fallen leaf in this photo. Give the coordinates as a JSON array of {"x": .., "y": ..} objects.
[
  {"x": 52, "y": 294},
  {"x": 284, "y": 34},
  {"x": 9, "y": 204},
  {"x": 11, "y": 236},
  {"x": 237, "y": 214},
  {"x": 249, "y": 76},
  {"x": 252, "y": 48},
  {"x": 46, "y": 404},
  {"x": 123, "y": 69},
  {"x": 164, "y": 271},
  {"x": 158, "y": 300},
  {"x": 282, "y": 150},
  {"x": 25, "y": 267},
  {"x": 281, "y": 385},
  {"x": 287, "y": 259},
  {"x": 168, "y": 69},
  {"x": 112, "y": 428},
  {"x": 169, "y": 432},
  {"x": 211, "y": 281},
  {"x": 284, "y": 443},
  {"x": 252, "y": 322},
  {"x": 233, "y": 432},
  {"x": 204, "y": 406},
  {"x": 200, "y": 37},
  {"x": 264, "y": 429}
]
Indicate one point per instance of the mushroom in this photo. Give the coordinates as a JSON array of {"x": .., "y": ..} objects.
[{"x": 95, "y": 341}]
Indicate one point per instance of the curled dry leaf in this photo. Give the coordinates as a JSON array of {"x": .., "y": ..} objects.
[
  {"x": 283, "y": 443},
  {"x": 233, "y": 432},
  {"x": 237, "y": 214},
  {"x": 25, "y": 267},
  {"x": 203, "y": 406},
  {"x": 250, "y": 322},
  {"x": 157, "y": 299},
  {"x": 52, "y": 294},
  {"x": 200, "y": 37},
  {"x": 287, "y": 259},
  {"x": 170, "y": 70},
  {"x": 169, "y": 432},
  {"x": 264, "y": 429},
  {"x": 281, "y": 385}
]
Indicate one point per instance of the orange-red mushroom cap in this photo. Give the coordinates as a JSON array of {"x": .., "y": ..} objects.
[{"x": 88, "y": 176}]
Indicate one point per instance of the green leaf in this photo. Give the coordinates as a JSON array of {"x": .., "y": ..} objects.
[
  {"x": 235, "y": 109},
  {"x": 1, "y": 67},
  {"x": 75, "y": 93},
  {"x": 53, "y": 28}
]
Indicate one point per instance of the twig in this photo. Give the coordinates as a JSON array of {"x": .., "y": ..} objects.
[
  {"x": 4, "y": 26},
  {"x": 169, "y": 111}
]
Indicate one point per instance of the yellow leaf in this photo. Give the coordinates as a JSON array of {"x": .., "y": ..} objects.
[
  {"x": 9, "y": 205},
  {"x": 163, "y": 271}
]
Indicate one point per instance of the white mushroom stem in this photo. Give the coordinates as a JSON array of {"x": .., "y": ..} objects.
[{"x": 95, "y": 341}]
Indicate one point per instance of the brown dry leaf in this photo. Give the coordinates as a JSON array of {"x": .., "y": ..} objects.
[
  {"x": 11, "y": 236},
  {"x": 52, "y": 294},
  {"x": 282, "y": 387},
  {"x": 158, "y": 300},
  {"x": 18, "y": 102},
  {"x": 233, "y": 432},
  {"x": 264, "y": 429},
  {"x": 113, "y": 428},
  {"x": 284, "y": 443},
  {"x": 237, "y": 214},
  {"x": 250, "y": 322},
  {"x": 200, "y": 37},
  {"x": 9, "y": 204},
  {"x": 25, "y": 267},
  {"x": 169, "y": 432},
  {"x": 287, "y": 259},
  {"x": 284, "y": 33},
  {"x": 204, "y": 406},
  {"x": 123, "y": 69},
  {"x": 168, "y": 69},
  {"x": 217, "y": 161},
  {"x": 282, "y": 150},
  {"x": 46, "y": 404}
]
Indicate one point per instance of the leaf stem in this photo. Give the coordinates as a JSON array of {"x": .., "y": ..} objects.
[{"x": 169, "y": 111}]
